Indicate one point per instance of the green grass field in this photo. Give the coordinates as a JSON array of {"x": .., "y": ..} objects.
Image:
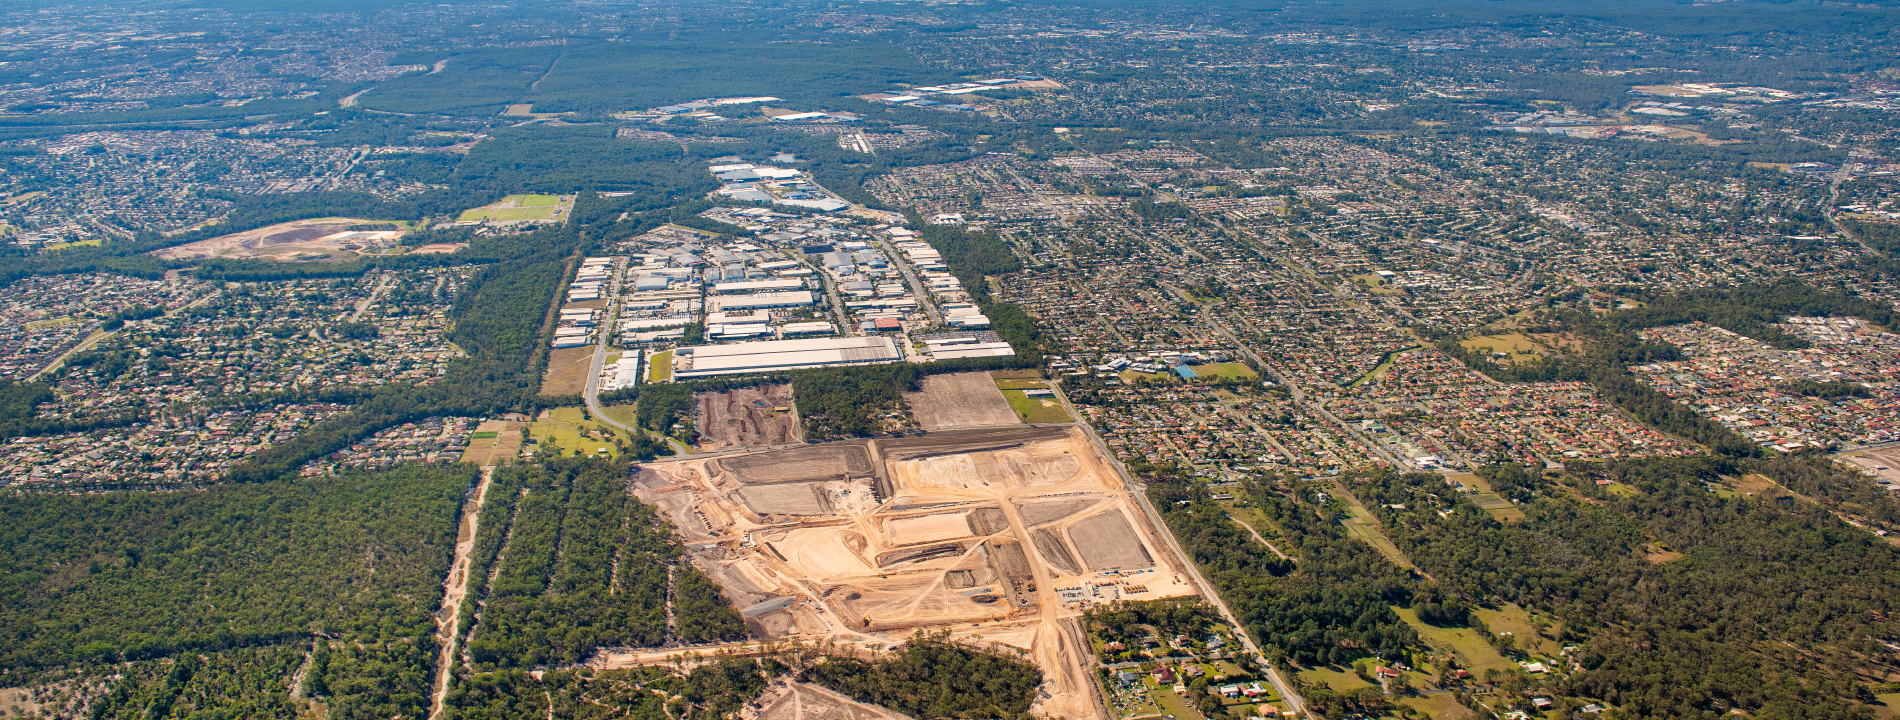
[
  {"x": 563, "y": 427},
  {"x": 1622, "y": 490},
  {"x": 1037, "y": 410},
  {"x": 1362, "y": 525},
  {"x": 1339, "y": 680},
  {"x": 1518, "y": 622},
  {"x": 1375, "y": 284},
  {"x": 1020, "y": 384},
  {"x": 622, "y": 413},
  {"x": 1491, "y": 502},
  {"x": 1225, "y": 370},
  {"x": 516, "y": 207},
  {"x": 660, "y": 367},
  {"x": 1519, "y": 347},
  {"x": 1172, "y": 703},
  {"x": 1888, "y": 706},
  {"x": 1438, "y": 707},
  {"x": 1474, "y": 654}
]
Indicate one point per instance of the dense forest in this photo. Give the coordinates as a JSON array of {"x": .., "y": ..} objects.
[
  {"x": 1766, "y": 608},
  {"x": 578, "y": 563},
  {"x": 584, "y": 565},
  {"x": 708, "y": 692},
  {"x": 1331, "y": 606},
  {"x": 852, "y": 401},
  {"x": 650, "y": 73},
  {"x": 356, "y": 560},
  {"x": 930, "y": 676}
]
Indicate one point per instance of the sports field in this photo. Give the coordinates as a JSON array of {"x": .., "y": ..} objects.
[
  {"x": 1225, "y": 370},
  {"x": 515, "y": 208}
]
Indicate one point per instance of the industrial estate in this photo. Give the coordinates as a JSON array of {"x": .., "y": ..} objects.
[{"x": 675, "y": 360}]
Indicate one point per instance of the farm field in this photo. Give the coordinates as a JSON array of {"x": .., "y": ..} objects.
[
  {"x": 494, "y": 442},
  {"x": 993, "y": 534},
  {"x": 960, "y": 400},
  {"x": 1490, "y": 501}
]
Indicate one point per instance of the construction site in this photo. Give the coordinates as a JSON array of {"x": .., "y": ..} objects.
[{"x": 998, "y": 535}]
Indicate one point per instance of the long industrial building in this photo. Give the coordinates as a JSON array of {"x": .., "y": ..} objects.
[{"x": 772, "y": 355}]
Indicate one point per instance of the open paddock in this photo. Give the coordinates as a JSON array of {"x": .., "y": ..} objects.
[
  {"x": 567, "y": 371},
  {"x": 958, "y": 400}
]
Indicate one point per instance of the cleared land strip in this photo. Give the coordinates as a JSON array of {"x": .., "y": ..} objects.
[
  {"x": 1258, "y": 537},
  {"x": 456, "y": 588}
]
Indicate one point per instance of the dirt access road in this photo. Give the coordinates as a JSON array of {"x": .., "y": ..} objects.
[{"x": 448, "y": 617}]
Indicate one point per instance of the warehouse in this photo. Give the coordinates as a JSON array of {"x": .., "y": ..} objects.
[
  {"x": 748, "y": 286},
  {"x": 770, "y": 355},
  {"x": 765, "y": 301}
]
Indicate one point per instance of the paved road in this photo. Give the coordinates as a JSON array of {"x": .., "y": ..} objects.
[
  {"x": 99, "y": 337},
  {"x": 916, "y": 286}
]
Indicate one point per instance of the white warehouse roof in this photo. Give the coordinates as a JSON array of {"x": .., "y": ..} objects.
[{"x": 768, "y": 355}]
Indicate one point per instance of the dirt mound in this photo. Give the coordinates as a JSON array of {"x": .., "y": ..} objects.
[
  {"x": 987, "y": 521},
  {"x": 1055, "y": 552},
  {"x": 746, "y": 417},
  {"x": 821, "y": 462},
  {"x": 1048, "y": 512}
]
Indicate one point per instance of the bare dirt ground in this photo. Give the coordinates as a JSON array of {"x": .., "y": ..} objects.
[
  {"x": 861, "y": 543},
  {"x": 746, "y": 417},
  {"x": 302, "y": 241},
  {"x": 18, "y": 702},
  {"x": 801, "y": 701},
  {"x": 567, "y": 371},
  {"x": 960, "y": 400},
  {"x": 1883, "y": 462}
]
